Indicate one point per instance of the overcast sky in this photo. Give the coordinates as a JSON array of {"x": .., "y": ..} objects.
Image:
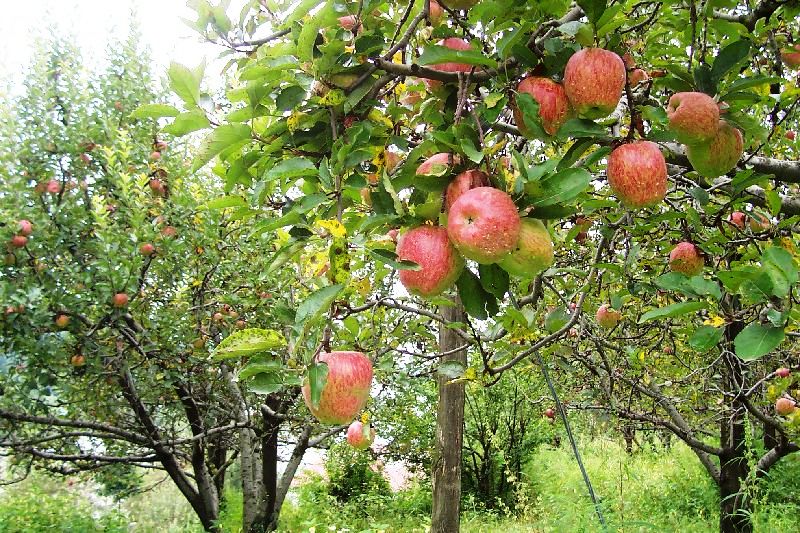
[{"x": 91, "y": 22}]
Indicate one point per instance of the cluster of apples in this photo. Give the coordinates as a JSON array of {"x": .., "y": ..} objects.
[
  {"x": 20, "y": 239},
  {"x": 483, "y": 225}
]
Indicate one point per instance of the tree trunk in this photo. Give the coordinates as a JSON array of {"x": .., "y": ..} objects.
[
  {"x": 288, "y": 475},
  {"x": 269, "y": 462},
  {"x": 449, "y": 432}
]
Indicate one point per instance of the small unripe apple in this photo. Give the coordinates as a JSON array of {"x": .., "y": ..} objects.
[
  {"x": 350, "y": 23},
  {"x": 120, "y": 299},
  {"x": 199, "y": 342},
  {"x": 791, "y": 57},
  {"x": 77, "y": 360},
  {"x": 233, "y": 314},
  {"x": 607, "y": 317},
  {"x": 24, "y": 227},
  {"x": 19, "y": 241},
  {"x": 785, "y": 406},
  {"x": 687, "y": 259},
  {"x": 440, "y": 264},
  {"x": 637, "y": 173},
  {"x": 147, "y": 249},
  {"x": 693, "y": 117},
  {"x": 62, "y": 321},
  {"x": 155, "y": 155},
  {"x": 593, "y": 80},
  {"x": 783, "y": 372},
  {"x": 549, "y": 413},
  {"x": 720, "y": 155}
]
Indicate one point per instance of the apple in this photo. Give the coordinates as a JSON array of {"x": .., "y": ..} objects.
[
  {"x": 25, "y": 227},
  {"x": 53, "y": 187},
  {"x": 120, "y": 299},
  {"x": 607, "y": 317},
  {"x": 593, "y": 80},
  {"x": 637, "y": 76},
  {"x": 147, "y": 249},
  {"x": 533, "y": 252},
  {"x": 687, "y": 259},
  {"x": 549, "y": 413},
  {"x": 431, "y": 249},
  {"x": 118, "y": 105},
  {"x": 161, "y": 146},
  {"x": 169, "y": 232},
  {"x": 785, "y": 406},
  {"x": 484, "y": 225},
  {"x": 783, "y": 372},
  {"x": 86, "y": 158},
  {"x": 350, "y": 23},
  {"x": 693, "y": 117},
  {"x": 155, "y": 155},
  {"x": 393, "y": 234},
  {"x": 720, "y": 155},
  {"x": 637, "y": 173},
  {"x": 77, "y": 360},
  {"x": 218, "y": 317},
  {"x": 737, "y": 218},
  {"x": 19, "y": 241},
  {"x": 436, "y": 13},
  {"x": 438, "y": 164},
  {"x": 157, "y": 186},
  {"x": 790, "y": 135},
  {"x": 453, "y": 43},
  {"x": 462, "y": 183},
  {"x": 759, "y": 222},
  {"x": 554, "y": 106},
  {"x": 459, "y": 4},
  {"x": 791, "y": 57},
  {"x": 62, "y": 321},
  {"x": 360, "y": 436},
  {"x": 241, "y": 324},
  {"x": 265, "y": 296},
  {"x": 346, "y": 388}
]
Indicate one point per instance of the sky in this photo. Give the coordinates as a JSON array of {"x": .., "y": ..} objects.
[{"x": 92, "y": 23}]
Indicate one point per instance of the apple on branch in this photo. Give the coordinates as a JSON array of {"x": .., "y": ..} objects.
[
  {"x": 693, "y": 117},
  {"x": 533, "y": 253},
  {"x": 607, "y": 317},
  {"x": 637, "y": 173},
  {"x": 484, "y": 225},
  {"x": 346, "y": 388},
  {"x": 470, "y": 179},
  {"x": 593, "y": 80},
  {"x": 554, "y": 106},
  {"x": 718, "y": 156},
  {"x": 439, "y": 261},
  {"x": 360, "y": 436},
  {"x": 453, "y": 43},
  {"x": 687, "y": 259}
]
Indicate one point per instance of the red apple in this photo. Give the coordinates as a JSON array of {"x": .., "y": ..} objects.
[
  {"x": 218, "y": 317},
  {"x": 19, "y": 241},
  {"x": 436, "y": 14},
  {"x": 554, "y": 107},
  {"x": 785, "y": 406},
  {"x": 453, "y": 43},
  {"x": 360, "y": 436},
  {"x": 637, "y": 173},
  {"x": 720, "y": 155},
  {"x": 593, "y": 80},
  {"x": 77, "y": 360},
  {"x": 346, "y": 389},
  {"x": 637, "y": 76},
  {"x": 161, "y": 146},
  {"x": 790, "y": 135},
  {"x": 169, "y": 232},
  {"x": 438, "y": 164},
  {"x": 62, "y": 321},
  {"x": 783, "y": 372},
  {"x": 607, "y": 317},
  {"x": 533, "y": 253},
  {"x": 687, "y": 259},
  {"x": 791, "y": 57},
  {"x": 484, "y": 225},
  {"x": 157, "y": 186},
  {"x": 86, "y": 158},
  {"x": 120, "y": 299},
  {"x": 462, "y": 183},
  {"x": 24, "y": 227},
  {"x": 737, "y": 218},
  {"x": 155, "y": 156},
  {"x": 440, "y": 263},
  {"x": 693, "y": 117},
  {"x": 53, "y": 186},
  {"x": 147, "y": 249},
  {"x": 350, "y": 23},
  {"x": 549, "y": 413}
]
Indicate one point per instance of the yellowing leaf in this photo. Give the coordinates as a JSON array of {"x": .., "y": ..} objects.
[
  {"x": 380, "y": 118},
  {"x": 334, "y": 97},
  {"x": 714, "y": 321},
  {"x": 397, "y": 58},
  {"x": 363, "y": 286},
  {"x": 334, "y": 227},
  {"x": 293, "y": 122},
  {"x": 365, "y": 418}
]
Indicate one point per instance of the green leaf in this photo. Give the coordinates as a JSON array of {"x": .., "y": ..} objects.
[
  {"x": 575, "y": 151},
  {"x": 581, "y": 127},
  {"x": 221, "y": 139},
  {"x": 435, "y": 54},
  {"x": 292, "y": 168},
  {"x": 248, "y": 342},
  {"x": 673, "y": 310},
  {"x": 477, "y": 301},
  {"x": 226, "y": 201},
  {"x": 559, "y": 188},
  {"x": 257, "y": 367},
  {"x": 292, "y": 217},
  {"x": 317, "y": 302},
  {"x": 703, "y": 80},
  {"x": 266, "y": 383},
  {"x": 756, "y": 341},
  {"x": 185, "y": 82},
  {"x": 705, "y": 338},
  {"x": 728, "y": 58},
  {"x": 782, "y": 260},
  {"x": 452, "y": 369},
  {"x": 187, "y": 123},
  {"x": 317, "y": 378},
  {"x": 593, "y": 9},
  {"x": 388, "y": 257},
  {"x": 494, "y": 279},
  {"x": 532, "y": 128},
  {"x": 155, "y": 111}
]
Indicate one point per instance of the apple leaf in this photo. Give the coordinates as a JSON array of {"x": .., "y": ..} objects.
[
  {"x": 673, "y": 310},
  {"x": 705, "y": 338},
  {"x": 248, "y": 342},
  {"x": 316, "y": 303},
  {"x": 317, "y": 378},
  {"x": 728, "y": 58},
  {"x": 226, "y": 201},
  {"x": 266, "y": 383},
  {"x": 581, "y": 127},
  {"x": 292, "y": 168},
  {"x": 452, "y": 369},
  {"x": 257, "y": 367},
  {"x": 782, "y": 260},
  {"x": 221, "y": 139},
  {"x": 155, "y": 111},
  {"x": 494, "y": 279},
  {"x": 185, "y": 82},
  {"x": 435, "y": 55},
  {"x": 560, "y": 187},
  {"x": 530, "y": 117},
  {"x": 593, "y": 9},
  {"x": 756, "y": 341},
  {"x": 388, "y": 257},
  {"x": 477, "y": 301},
  {"x": 187, "y": 123}
]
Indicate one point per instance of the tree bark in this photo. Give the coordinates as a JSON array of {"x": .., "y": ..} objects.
[
  {"x": 288, "y": 475},
  {"x": 449, "y": 432}
]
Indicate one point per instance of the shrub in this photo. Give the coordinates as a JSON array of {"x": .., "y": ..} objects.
[{"x": 353, "y": 473}]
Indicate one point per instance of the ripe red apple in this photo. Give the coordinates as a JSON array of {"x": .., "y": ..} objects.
[
  {"x": 436, "y": 13},
  {"x": 462, "y": 183},
  {"x": 687, "y": 259},
  {"x": 120, "y": 299},
  {"x": 86, "y": 158},
  {"x": 431, "y": 249},
  {"x": 62, "y": 321},
  {"x": 25, "y": 227},
  {"x": 350, "y": 23},
  {"x": 783, "y": 372},
  {"x": 77, "y": 360},
  {"x": 549, "y": 413},
  {"x": 533, "y": 252},
  {"x": 637, "y": 76},
  {"x": 157, "y": 186},
  {"x": 785, "y": 406},
  {"x": 791, "y": 57},
  {"x": 637, "y": 173},
  {"x": 693, "y": 117},
  {"x": 169, "y": 232},
  {"x": 737, "y": 218},
  {"x": 19, "y": 241},
  {"x": 147, "y": 249},
  {"x": 607, "y": 317},
  {"x": 161, "y": 146},
  {"x": 53, "y": 186},
  {"x": 360, "y": 436},
  {"x": 484, "y": 225},
  {"x": 155, "y": 155},
  {"x": 453, "y": 43},
  {"x": 346, "y": 390},
  {"x": 594, "y": 79},
  {"x": 790, "y": 135},
  {"x": 720, "y": 155},
  {"x": 438, "y": 164},
  {"x": 554, "y": 107}
]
